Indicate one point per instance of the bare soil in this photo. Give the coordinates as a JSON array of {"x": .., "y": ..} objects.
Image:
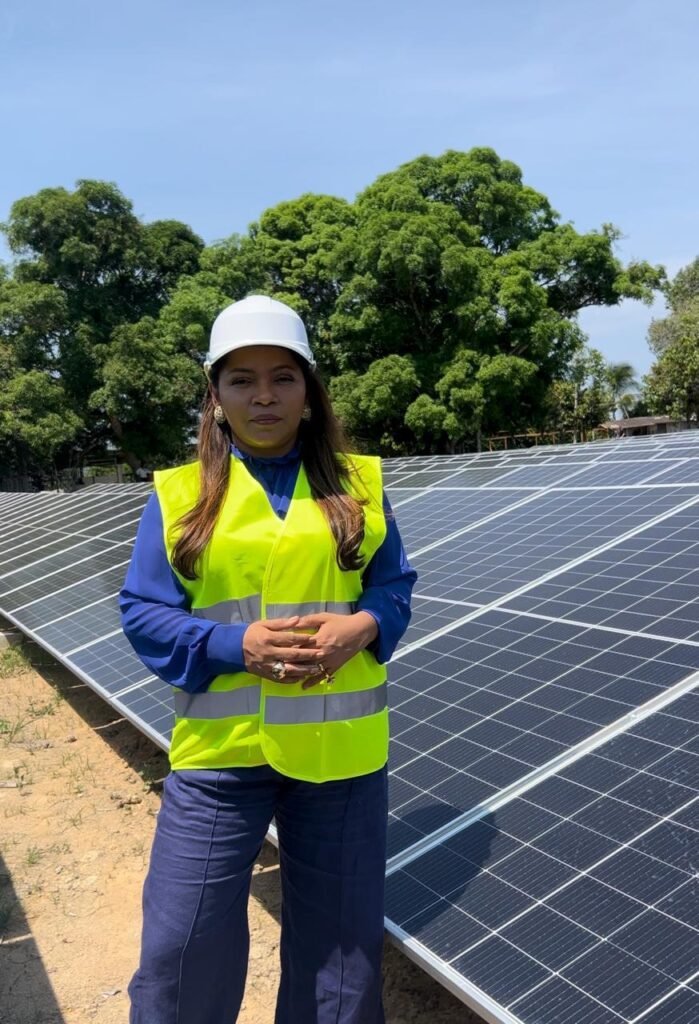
[{"x": 79, "y": 791}]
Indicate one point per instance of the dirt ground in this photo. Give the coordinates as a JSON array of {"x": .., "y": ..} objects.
[{"x": 79, "y": 791}]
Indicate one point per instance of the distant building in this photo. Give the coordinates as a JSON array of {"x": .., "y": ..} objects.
[{"x": 635, "y": 426}]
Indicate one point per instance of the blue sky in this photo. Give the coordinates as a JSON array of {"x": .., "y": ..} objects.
[{"x": 209, "y": 112}]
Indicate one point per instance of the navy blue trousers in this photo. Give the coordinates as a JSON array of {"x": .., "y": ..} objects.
[{"x": 332, "y": 845}]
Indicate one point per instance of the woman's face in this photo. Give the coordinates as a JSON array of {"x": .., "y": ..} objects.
[{"x": 262, "y": 392}]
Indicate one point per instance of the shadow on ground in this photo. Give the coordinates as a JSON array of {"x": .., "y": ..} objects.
[{"x": 26, "y": 994}]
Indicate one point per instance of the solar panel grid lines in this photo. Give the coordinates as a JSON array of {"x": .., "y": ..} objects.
[
  {"x": 639, "y": 584},
  {"x": 494, "y": 706},
  {"x": 61, "y": 563},
  {"x": 135, "y": 686},
  {"x": 112, "y": 660},
  {"x": 89, "y": 623},
  {"x": 21, "y": 497},
  {"x": 545, "y": 534},
  {"x": 82, "y": 609},
  {"x": 521, "y": 945},
  {"x": 54, "y": 514},
  {"x": 441, "y": 778},
  {"x": 94, "y": 640},
  {"x": 679, "y": 473},
  {"x": 126, "y": 528},
  {"x": 84, "y": 515},
  {"x": 544, "y": 577},
  {"x": 521, "y": 774},
  {"x": 545, "y": 475},
  {"x": 489, "y": 1009},
  {"x": 7, "y": 509},
  {"x": 511, "y": 505},
  {"x": 430, "y": 614},
  {"x": 67, "y": 599},
  {"x": 581, "y": 623},
  {"x": 476, "y": 508},
  {"x": 616, "y": 474},
  {"x": 87, "y": 569}
]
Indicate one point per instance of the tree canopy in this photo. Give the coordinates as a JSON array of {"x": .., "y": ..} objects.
[
  {"x": 76, "y": 369},
  {"x": 672, "y": 386},
  {"x": 682, "y": 297},
  {"x": 441, "y": 304}
]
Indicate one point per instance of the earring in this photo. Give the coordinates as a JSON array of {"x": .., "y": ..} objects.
[
  {"x": 306, "y": 414},
  {"x": 219, "y": 415}
]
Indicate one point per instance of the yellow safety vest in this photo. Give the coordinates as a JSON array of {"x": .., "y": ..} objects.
[{"x": 258, "y": 566}]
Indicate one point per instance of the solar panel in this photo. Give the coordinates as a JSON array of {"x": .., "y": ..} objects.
[
  {"x": 437, "y": 515},
  {"x": 543, "y": 825},
  {"x": 574, "y": 900},
  {"x": 483, "y": 706},
  {"x": 538, "y": 538},
  {"x": 647, "y": 583}
]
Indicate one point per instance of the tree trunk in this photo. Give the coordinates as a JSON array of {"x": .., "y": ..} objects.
[{"x": 131, "y": 460}]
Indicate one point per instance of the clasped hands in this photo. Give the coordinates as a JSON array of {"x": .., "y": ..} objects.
[{"x": 325, "y": 641}]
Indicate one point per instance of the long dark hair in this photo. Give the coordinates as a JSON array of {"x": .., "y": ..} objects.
[{"x": 322, "y": 439}]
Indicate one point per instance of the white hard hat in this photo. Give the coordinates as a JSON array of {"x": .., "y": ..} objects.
[{"x": 257, "y": 320}]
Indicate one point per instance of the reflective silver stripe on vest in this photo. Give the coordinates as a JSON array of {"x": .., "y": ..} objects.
[
  {"x": 283, "y": 611},
  {"x": 243, "y": 609},
  {"x": 249, "y": 609},
  {"x": 324, "y": 707},
  {"x": 218, "y": 703}
]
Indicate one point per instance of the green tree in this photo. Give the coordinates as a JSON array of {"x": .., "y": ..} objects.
[
  {"x": 86, "y": 268},
  {"x": 682, "y": 297},
  {"x": 623, "y": 385},
  {"x": 37, "y": 425},
  {"x": 440, "y": 257},
  {"x": 442, "y": 304},
  {"x": 476, "y": 394},
  {"x": 672, "y": 386},
  {"x": 457, "y": 252},
  {"x": 372, "y": 405},
  {"x": 582, "y": 398}
]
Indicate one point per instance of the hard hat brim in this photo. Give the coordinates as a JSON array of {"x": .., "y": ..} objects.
[{"x": 273, "y": 342}]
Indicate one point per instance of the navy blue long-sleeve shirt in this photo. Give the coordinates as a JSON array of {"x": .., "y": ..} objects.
[{"x": 188, "y": 651}]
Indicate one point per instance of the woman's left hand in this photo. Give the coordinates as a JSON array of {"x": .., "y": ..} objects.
[{"x": 338, "y": 637}]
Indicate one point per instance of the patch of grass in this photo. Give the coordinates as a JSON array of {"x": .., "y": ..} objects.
[
  {"x": 37, "y": 710},
  {"x": 76, "y": 820},
  {"x": 10, "y": 728},
  {"x": 33, "y": 856},
  {"x": 59, "y": 848},
  {"x": 13, "y": 662},
  {"x": 82, "y": 770}
]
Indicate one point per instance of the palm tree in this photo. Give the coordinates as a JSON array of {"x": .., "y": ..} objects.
[
  {"x": 622, "y": 381},
  {"x": 627, "y": 402}
]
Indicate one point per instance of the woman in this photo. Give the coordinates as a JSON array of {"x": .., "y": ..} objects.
[{"x": 269, "y": 584}]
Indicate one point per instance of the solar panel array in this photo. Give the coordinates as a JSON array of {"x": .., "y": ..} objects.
[{"x": 544, "y": 811}]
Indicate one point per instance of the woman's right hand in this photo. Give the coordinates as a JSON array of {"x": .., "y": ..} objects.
[{"x": 268, "y": 641}]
